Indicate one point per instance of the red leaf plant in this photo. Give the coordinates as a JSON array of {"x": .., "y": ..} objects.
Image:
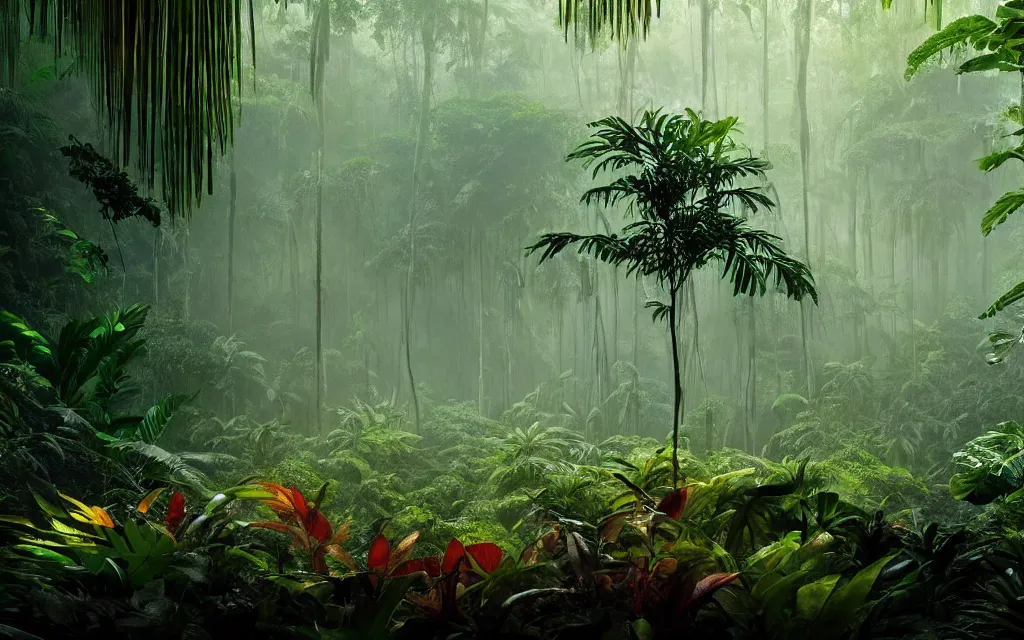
[
  {"x": 460, "y": 567},
  {"x": 175, "y": 509},
  {"x": 642, "y": 517},
  {"x": 661, "y": 594},
  {"x": 310, "y": 530},
  {"x": 175, "y": 512}
]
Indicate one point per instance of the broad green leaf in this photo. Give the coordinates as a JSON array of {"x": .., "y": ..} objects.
[
  {"x": 959, "y": 32},
  {"x": 843, "y": 605},
  {"x": 988, "y": 62},
  {"x": 810, "y": 598},
  {"x": 46, "y": 554}
]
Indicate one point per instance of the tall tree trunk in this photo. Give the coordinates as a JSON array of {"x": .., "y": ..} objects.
[
  {"x": 156, "y": 269},
  {"x": 187, "y": 298},
  {"x": 803, "y": 51},
  {"x": 427, "y": 35},
  {"x": 765, "y": 77},
  {"x": 232, "y": 209},
  {"x": 482, "y": 48},
  {"x": 322, "y": 40},
  {"x": 705, "y": 53},
  {"x": 481, "y": 407}
]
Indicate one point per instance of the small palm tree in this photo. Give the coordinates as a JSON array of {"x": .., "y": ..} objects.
[{"x": 680, "y": 186}]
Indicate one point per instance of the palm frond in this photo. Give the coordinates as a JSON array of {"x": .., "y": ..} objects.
[
  {"x": 620, "y": 19},
  {"x": 170, "y": 104}
]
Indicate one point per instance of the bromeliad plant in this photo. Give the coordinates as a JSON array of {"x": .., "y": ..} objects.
[
  {"x": 311, "y": 532},
  {"x": 86, "y": 538}
]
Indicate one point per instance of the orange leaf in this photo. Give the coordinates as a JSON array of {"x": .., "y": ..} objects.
[
  {"x": 612, "y": 528},
  {"x": 549, "y": 541},
  {"x": 341, "y": 534},
  {"x": 403, "y": 550},
  {"x": 282, "y": 503},
  {"x": 380, "y": 552},
  {"x": 664, "y": 567},
  {"x": 90, "y": 515},
  {"x": 342, "y": 556},
  {"x": 148, "y": 501}
]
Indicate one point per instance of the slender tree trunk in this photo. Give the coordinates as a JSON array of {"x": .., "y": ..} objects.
[
  {"x": 677, "y": 382},
  {"x": 803, "y": 51},
  {"x": 187, "y": 298},
  {"x": 765, "y": 87},
  {"x": 156, "y": 269},
  {"x": 232, "y": 209},
  {"x": 705, "y": 44},
  {"x": 427, "y": 34},
  {"x": 482, "y": 50},
  {"x": 322, "y": 44},
  {"x": 480, "y": 328}
]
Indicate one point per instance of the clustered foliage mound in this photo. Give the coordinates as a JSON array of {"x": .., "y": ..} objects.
[{"x": 474, "y": 527}]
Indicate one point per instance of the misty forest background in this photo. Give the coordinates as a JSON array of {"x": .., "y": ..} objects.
[
  {"x": 893, "y": 200},
  {"x": 351, "y": 304}
]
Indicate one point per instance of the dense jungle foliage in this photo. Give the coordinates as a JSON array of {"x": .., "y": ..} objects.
[{"x": 461, "y": 319}]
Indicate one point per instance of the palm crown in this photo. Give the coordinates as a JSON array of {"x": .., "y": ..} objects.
[{"x": 680, "y": 193}]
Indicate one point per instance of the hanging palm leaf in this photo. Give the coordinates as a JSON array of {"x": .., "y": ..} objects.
[{"x": 169, "y": 101}]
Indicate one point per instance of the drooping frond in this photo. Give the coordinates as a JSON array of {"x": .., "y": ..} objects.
[
  {"x": 967, "y": 30},
  {"x": 610, "y": 249},
  {"x": 169, "y": 102},
  {"x": 623, "y": 20},
  {"x": 752, "y": 258}
]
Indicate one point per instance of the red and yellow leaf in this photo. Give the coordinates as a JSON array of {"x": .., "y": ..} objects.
[
  {"x": 340, "y": 555},
  {"x": 90, "y": 515},
  {"x": 402, "y": 551},
  {"x": 710, "y": 584}
]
